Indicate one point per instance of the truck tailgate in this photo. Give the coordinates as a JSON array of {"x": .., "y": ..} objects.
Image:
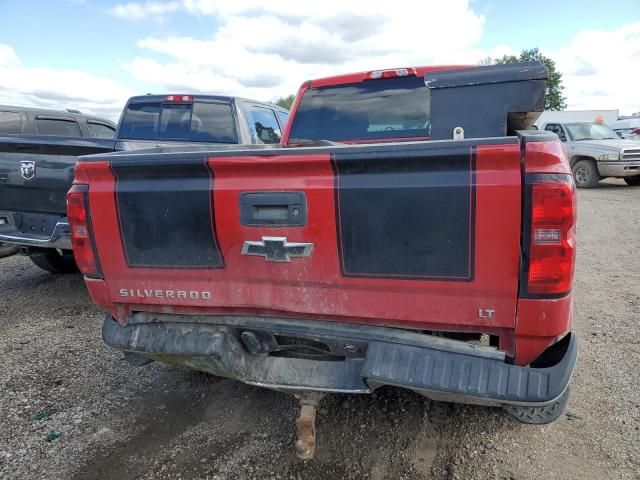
[
  {"x": 36, "y": 171},
  {"x": 421, "y": 234}
]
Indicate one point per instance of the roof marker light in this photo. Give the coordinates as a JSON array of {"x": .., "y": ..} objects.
[
  {"x": 178, "y": 98},
  {"x": 392, "y": 73}
]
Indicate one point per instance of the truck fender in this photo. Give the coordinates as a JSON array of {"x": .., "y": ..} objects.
[{"x": 576, "y": 158}]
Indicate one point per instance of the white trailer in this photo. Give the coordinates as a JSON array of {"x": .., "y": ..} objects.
[{"x": 570, "y": 116}]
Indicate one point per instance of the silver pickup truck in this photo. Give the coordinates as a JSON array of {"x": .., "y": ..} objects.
[{"x": 595, "y": 152}]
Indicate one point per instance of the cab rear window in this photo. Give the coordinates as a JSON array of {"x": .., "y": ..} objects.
[
  {"x": 372, "y": 109},
  {"x": 197, "y": 121}
]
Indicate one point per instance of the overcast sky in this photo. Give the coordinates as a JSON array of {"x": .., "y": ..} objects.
[{"x": 93, "y": 55}]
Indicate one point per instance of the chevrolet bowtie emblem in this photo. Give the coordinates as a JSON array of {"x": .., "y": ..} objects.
[{"x": 277, "y": 249}]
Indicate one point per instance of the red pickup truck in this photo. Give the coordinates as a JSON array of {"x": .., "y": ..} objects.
[{"x": 408, "y": 232}]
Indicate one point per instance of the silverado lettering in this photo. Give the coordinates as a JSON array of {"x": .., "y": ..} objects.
[
  {"x": 429, "y": 207},
  {"x": 192, "y": 294}
]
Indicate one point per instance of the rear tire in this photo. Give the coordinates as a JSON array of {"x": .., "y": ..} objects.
[
  {"x": 632, "y": 181},
  {"x": 53, "y": 261},
  {"x": 585, "y": 174},
  {"x": 7, "y": 249},
  {"x": 540, "y": 415}
]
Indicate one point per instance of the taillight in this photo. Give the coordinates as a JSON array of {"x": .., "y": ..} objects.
[
  {"x": 81, "y": 232},
  {"x": 550, "y": 245}
]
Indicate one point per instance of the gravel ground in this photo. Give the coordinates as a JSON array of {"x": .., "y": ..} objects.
[{"x": 72, "y": 408}]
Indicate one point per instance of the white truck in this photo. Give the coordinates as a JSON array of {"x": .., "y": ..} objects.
[
  {"x": 571, "y": 116},
  {"x": 628, "y": 128},
  {"x": 595, "y": 152}
]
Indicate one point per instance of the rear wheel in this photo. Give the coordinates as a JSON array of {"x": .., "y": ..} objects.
[
  {"x": 540, "y": 415},
  {"x": 585, "y": 173},
  {"x": 633, "y": 181},
  {"x": 54, "y": 261},
  {"x": 7, "y": 249}
]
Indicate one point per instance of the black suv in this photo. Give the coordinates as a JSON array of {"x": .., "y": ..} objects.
[{"x": 63, "y": 123}]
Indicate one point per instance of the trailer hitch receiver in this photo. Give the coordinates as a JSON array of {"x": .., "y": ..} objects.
[{"x": 306, "y": 425}]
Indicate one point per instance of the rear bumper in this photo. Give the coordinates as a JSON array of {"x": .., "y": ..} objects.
[
  {"x": 60, "y": 236},
  {"x": 369, "y": 357}
]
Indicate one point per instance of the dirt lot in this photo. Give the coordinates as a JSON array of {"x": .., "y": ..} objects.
[{"x": 72, "y": 408}]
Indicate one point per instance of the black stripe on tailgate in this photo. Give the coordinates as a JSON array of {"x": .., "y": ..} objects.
[
  {"x": 166, "y": 215},
  {"x": 406, "y": 214}
]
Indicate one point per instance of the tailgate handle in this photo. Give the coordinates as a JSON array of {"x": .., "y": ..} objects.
[{"x": 273, "y": 209}]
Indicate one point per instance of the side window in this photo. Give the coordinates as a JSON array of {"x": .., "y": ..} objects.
[
  {"x": 10, "y": 123},
  {"x": 100, "y": 130},
  {"x": 557, "y": 129},
  {"x": 263, "y": 123},
  {"x": 283, "y": 116},
  {"x": 54, "y": 126}
]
